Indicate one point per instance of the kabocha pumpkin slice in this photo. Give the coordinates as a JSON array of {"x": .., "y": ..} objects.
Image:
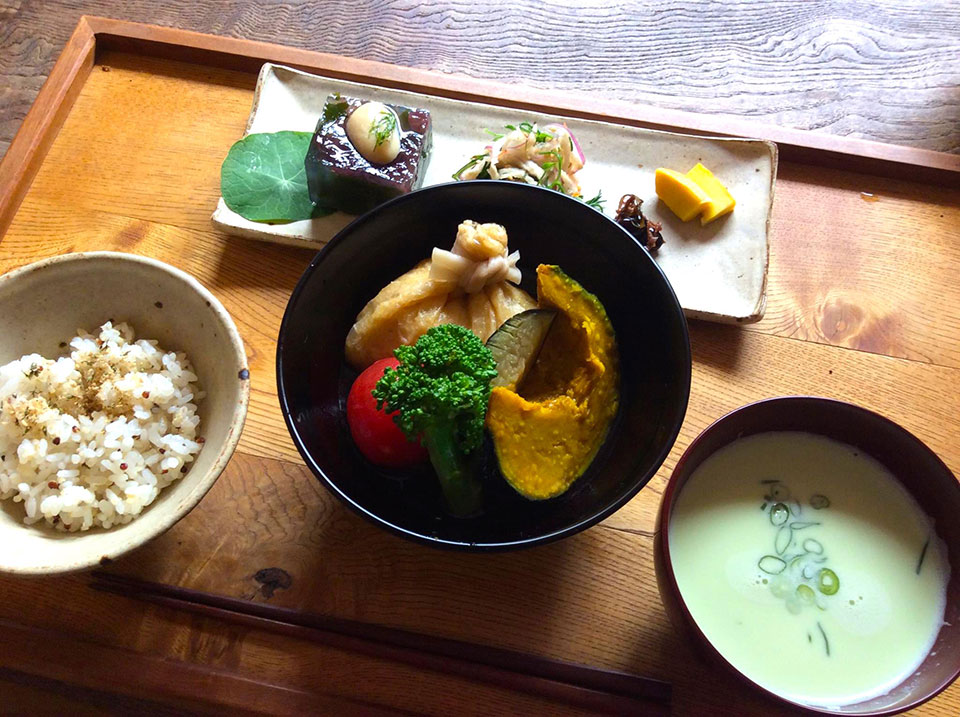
[{"x": 547, "y": 431}]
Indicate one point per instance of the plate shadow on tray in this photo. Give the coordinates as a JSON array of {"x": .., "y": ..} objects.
[
  {"x": 176, "y": 69},
  {"x": 717, "y": 345},
  {"x": 247, "y": 263},
  {"x": 819, "y": 178}
]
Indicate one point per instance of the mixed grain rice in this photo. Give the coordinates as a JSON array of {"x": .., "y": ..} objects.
[{"x": 90, "y": 439}]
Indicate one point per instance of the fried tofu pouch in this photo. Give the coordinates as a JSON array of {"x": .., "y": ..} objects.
[{"x": 472, "y": 285}]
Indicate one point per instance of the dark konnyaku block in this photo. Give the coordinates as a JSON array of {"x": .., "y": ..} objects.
[{"x": 339, "y": 177}]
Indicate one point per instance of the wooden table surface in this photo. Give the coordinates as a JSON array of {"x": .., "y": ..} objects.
[
  {"x": 863, "y": 306},
  {"x": 885, "y": 70}
]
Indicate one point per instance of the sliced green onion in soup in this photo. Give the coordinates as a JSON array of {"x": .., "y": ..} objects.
[
  {"x": 805, "y": 594},
  {"x": 783, "y": 539},
  {"x": 828, "y": 581},
  {"x": 771, "y": 565},
  {"x": 819, "y": 502},
  {"x": 779, "y": 514}
]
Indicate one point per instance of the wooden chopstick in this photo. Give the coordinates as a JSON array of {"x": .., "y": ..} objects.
[{"x": 602, "y": 690}]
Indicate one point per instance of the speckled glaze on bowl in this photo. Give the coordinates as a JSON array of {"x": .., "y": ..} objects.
[
  {"x": 917, "y": 468},
  {"x": 43, "y": 304}
]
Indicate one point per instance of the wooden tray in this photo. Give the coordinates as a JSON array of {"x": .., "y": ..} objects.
[{"x": 122, "y": 151}]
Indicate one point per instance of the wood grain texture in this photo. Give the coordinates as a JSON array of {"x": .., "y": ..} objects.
[
  {"x": 36, "y": 696},
  {"x": 872, "y": 275},
  {"x": 230, "y": 669},
  {"x": 136, "y": 168},
  {"x": 43, "y": 121},
  {"x": 885, "y": 71},
  {"x": 802, "y": 146}
]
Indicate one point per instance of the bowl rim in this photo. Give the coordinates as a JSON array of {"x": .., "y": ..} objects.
[
  {"x": 234, "y": 429},
  {"x": 663, "y": 528},
  {"x": 465, "y": 546}
]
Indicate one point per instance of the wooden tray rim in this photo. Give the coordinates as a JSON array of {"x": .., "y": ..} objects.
[
  {"x": 92, "y": 34},
  {"x": 96, "y": 34}
]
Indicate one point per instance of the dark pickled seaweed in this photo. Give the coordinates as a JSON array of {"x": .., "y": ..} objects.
[
  {"x": 632, "y": 219},
  {"x": 339, "y": 177}
]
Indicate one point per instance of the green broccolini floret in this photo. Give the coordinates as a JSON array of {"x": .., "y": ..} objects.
[
  {"x": 441, "y": 390},
  {"x": 444, "y": 377}
]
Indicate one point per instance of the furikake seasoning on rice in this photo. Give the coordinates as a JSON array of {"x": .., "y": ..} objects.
[{"x": 91, "y": 438}]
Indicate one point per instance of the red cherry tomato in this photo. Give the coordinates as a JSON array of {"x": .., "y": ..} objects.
[{"x": 379, "y": 439}]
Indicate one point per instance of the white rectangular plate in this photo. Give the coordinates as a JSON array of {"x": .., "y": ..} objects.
[{"x": 718, "y": 271}]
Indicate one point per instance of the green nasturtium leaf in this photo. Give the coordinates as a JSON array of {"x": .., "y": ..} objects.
[{"x": 263, "y": 178}]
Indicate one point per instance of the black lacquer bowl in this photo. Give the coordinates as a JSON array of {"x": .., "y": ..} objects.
[{"x": 546, "y": 227}]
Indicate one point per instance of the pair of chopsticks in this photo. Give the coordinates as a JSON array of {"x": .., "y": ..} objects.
[{"x": 599, "y": 690}]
